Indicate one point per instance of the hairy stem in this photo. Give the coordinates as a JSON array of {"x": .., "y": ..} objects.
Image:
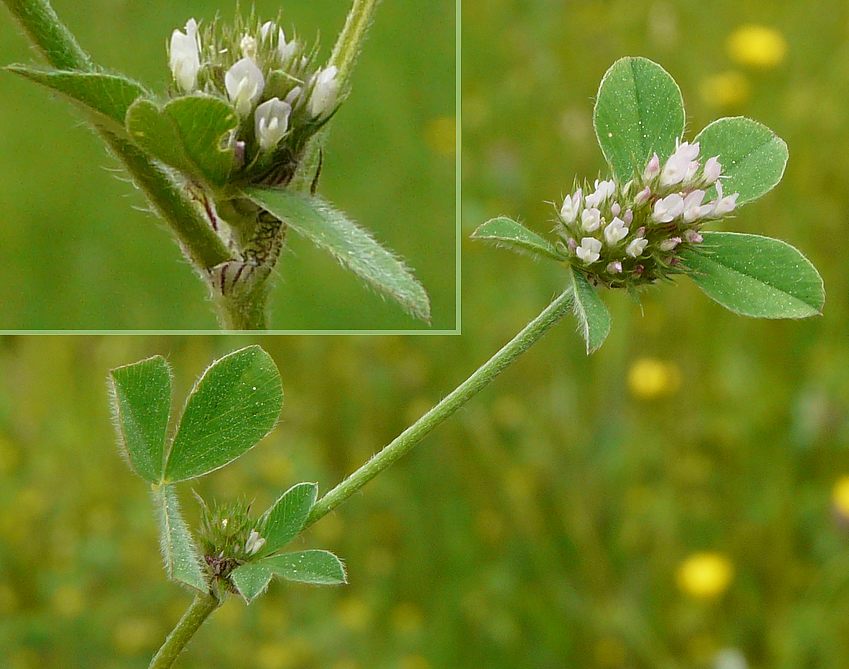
[
  {"x": 199, "y": 610},
  {"x": 60, "y": 48},
  {"x": 409, "y": 438}
]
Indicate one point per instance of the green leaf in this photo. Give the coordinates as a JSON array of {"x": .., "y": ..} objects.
[
  {"x": 286, "y": 518},
  {"x": 316, "y": 567},
  {"x": 753, "y": 157},
  {"x": 251, "y": 579},
  {"x": 591, "y": 313},
  {"x": 756, "y": 276},
  {"x": 182, "y": 561},
  {"x": 189, "y": 134},
  {"x": 141, "y": 403},
  {"x": 350, "y": 244},
  {"x": 638, "y": 111},
  {"x": 506, "y": 232},
  {"x": 107, "y": 95},
  {"x": 233, "y": 405}
]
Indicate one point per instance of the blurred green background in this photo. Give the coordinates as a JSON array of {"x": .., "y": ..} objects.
[
  {"x": 78, "y": 255},
  {"x": 677, "y": 501}
]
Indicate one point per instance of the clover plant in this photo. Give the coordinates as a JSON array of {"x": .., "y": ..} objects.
[{"x": 230, "y": 156}]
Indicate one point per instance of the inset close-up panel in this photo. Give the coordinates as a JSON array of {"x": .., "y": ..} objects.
[{"x": 363, "y": 150}]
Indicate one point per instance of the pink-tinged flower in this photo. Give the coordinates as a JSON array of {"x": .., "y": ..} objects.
[
  {"x": 693, "y": 237},
  {"x": 614, "y": 267},
  {"x": 668, "y": 208},
  {"x": 652, "y": 169},
  {"x": 590, "y": 219},
  {"x": 636, "y": 247},
  {"x": 589, "y": 250},
  {"x": 615, "y": 231},
  {"x": 693, "y": 209},
  {"x": 713, "y": 169},
  {"x": 628, "y": 217},
  {"x": 184, "y": 57},
  {"x": 571, "y": 206},
  {"x": 244, "y": 83},
  {"x": 669, "y": 244},
  {"x": 643, "y": 196},
  {"x": 724, "y": 205},
  {"x": 679, "y": 164}
]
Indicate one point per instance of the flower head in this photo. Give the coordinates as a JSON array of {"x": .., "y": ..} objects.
[
  {"x": 635, "y": 233},
  {"x": 184, "y": 57}
]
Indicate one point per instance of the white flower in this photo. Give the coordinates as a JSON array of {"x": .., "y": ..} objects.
[
  {"x": 571, "y": 206},
  {"x": 713, "y": 168},
  {"x": 652, "y": 169},
  {"x": 590, "y": 219},
  {"x": 628, "y": 217},
  {"x": 286, "y": 49},
  {"x": 692, "y": 170},
  {"x": 589, "y": 250},
  {"x": 615, "y": 232},
  {"x": 244, "y": 83},
  {"x": 636, "y": 247},
  {"x": 184, "y": 57},
  {"x": 668, "y": 208},
  {"x": 325, "y": 91},
  {"x": 614, "y": 267},
  {"x": 271, "y": 122},
  {"x": 679, "y": 164},
  {"x": 254, "y": 543},
  {"x": 603, "y": 190},
  {"x": 615, "y": 209},
  {"x": 248, "y": 46},
  {"x": 693, "y": 209},
  {"x": 723, "y": 205}
]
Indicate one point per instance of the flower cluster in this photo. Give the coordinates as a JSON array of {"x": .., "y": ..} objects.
[
  {"x": 229, "y": 537},
  {"x": 630, "y": 234},
  {"x": 282, "y": 98}
]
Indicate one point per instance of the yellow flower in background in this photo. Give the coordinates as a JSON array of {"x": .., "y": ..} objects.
[
  {"x": 840, "y": 496},
  {"x": 757, "y": 46},
  {"x": 650, "y": 378},
  {"x": 726, "y": 89},
  {"x": 441, "y": 135},
  {"x": 705, "y": 575}
]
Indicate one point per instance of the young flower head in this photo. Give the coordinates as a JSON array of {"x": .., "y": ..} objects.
[
  {"x": 280, "y": 94},
  {"x": 184, "y": 57}
]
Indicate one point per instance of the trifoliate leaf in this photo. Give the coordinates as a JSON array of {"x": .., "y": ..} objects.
[
  {"x": 351, "y": 245},
  {"x": 251, "y": 579},
  {"x": 753, "y": 157},
  {"x": 233, "y": 405},
  {"x": 504, "y": 231},
  {"x": 286, "y": 517},
  {"x": 109, "y": 96},
  {"x": 141, "y": 404},
  {"x": 182, "y": 561},
  {"x": 591, "y": 313},
  {"x": 638, "y": 111},
  {"x": 756, "y": 276}
]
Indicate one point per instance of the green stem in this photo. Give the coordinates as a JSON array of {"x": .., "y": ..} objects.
[
  {"x": 199, "y": 610},
  {"x": 404, "y": 442},
  {"x": 246, "y": 312},
  {"x": 344, "y": 57},
  {"x": 60, "y": 48}
]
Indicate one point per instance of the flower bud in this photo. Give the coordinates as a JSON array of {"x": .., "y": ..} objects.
[
  {"x": 184, "y": 57},
  {"x": 325, "y": 91},
  {"x": 652, "y": 169},
  {"x": 254, "y": 543},
  {"x": 713, "y": 169}
]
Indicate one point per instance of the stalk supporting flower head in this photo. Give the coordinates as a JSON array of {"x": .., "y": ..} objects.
[{"x": 632, "y": 233}]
